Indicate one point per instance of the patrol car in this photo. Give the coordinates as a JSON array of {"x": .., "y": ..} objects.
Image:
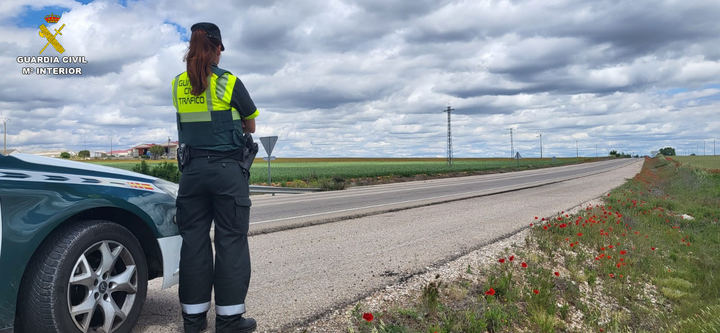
[{"x": 79, "y": 243}]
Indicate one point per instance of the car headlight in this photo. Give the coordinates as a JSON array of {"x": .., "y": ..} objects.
[{"x": 169, "y": 187}]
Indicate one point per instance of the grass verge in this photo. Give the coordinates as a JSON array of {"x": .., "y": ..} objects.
[{"x": 644, "y": 261}]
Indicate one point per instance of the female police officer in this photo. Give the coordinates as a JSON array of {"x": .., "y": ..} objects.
[{"x": 214, "y": 110}]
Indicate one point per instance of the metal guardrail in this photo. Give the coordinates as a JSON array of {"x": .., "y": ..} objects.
[{"x": 275, "y": 189}]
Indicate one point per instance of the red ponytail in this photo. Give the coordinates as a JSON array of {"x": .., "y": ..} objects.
[{"x": 199, "y": 57}]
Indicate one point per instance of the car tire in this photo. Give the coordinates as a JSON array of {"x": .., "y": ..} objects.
[{"x": 83, "y": 275}]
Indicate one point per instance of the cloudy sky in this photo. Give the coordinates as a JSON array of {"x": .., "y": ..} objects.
[{"x": 371, "y": 78}]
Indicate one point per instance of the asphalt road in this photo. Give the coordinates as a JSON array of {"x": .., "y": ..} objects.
[
  {"x": 302, "y": 272},
  {"x": 272, "y": 213}
]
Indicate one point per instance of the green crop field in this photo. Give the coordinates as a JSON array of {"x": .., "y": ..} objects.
[
  {"x": 706, "y": 162},
  {"x": 307, "y": 171}
]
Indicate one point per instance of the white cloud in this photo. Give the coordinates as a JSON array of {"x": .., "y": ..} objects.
[{"x": 371, "y": 78}]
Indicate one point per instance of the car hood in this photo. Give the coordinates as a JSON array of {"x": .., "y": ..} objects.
[{"x": 40, "y": 163}]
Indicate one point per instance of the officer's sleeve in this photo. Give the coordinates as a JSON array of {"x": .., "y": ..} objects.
[{"x": 240, "y": 100}]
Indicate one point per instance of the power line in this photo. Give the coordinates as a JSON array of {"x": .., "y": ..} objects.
[{"x": 449, "y": 110}]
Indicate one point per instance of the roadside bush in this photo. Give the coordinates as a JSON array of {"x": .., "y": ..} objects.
[
  {"x": 142, "y": 167},
  {"x": 163, "y": 170}
]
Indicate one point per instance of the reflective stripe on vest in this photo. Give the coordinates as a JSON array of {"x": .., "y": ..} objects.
[{"x": 207, "y": 120}]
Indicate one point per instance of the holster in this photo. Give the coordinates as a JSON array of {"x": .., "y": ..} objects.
[
  {"x": 249, "y": 151},
  {"x": 183, "y": 156}
]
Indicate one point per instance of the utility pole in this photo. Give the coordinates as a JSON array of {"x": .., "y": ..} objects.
[
  {"x": 540, "y": 134},
  {"x": 577, "y": 152},
  {"x": 512, "y": 146},
  {"x": 4, "y": 136},
  {"x": 449, "y": 110}
]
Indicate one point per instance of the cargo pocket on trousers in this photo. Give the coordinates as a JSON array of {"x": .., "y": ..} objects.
[{"x": 242, "y": 213}]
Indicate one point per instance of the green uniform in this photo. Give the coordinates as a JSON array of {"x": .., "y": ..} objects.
[{"x": 213, "y": 187}]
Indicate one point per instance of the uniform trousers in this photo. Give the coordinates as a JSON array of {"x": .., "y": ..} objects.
[{"x": 214, "y": 191}]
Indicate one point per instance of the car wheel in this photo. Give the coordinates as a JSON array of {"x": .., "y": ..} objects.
[{"x": 88, "y": 277}]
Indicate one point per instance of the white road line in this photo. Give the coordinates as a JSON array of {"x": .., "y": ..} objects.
[{"x": 498, "y": 189}]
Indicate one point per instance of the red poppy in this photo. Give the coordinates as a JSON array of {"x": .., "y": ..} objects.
[
  {"x": 623, "y": 252},
  {"x": 490, "y": 292},
  {"x": 523, "y": 264},
  {"x": 652, "y": 248},
  {"x": 612, "y": 275},
  {"x": 536, "y": 217},
  {"x": 367, "y": 316},
  {"x": 536, "y": 291},
  {"x": 579, "y": 234},
  {"x": 512, "y": 258},
  {"x": 557, "y": 273},
  {"x": 531, "y": 224},
  {"x": 501, "y": 260},
  {"x": 545, "y": 227}
]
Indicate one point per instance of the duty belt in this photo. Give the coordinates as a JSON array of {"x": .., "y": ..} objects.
[{"x": 214, "y": 155}]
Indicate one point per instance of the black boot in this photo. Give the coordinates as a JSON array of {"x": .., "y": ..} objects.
[
  {"x": 234, "y": 324},
  {"x": 194, "y": 323}
]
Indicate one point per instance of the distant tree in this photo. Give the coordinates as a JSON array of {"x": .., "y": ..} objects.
[
  {"x": 64, "y": 155},
  {"x": 613, "y": 153},
  {"x": 668, "y": 151},
  {"x": 157, "y": 151},
  {"x": 84, "y": 154}
]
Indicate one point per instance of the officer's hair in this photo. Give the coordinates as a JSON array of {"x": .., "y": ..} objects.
[{"x": 199, "y": 57}]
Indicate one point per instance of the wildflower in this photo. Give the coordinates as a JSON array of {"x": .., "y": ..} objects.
[
  {"x": 579, "y": 234},
  {"x": 623, "y": 252},
  {"x": 512, "y": 258},
  {"x": 612, "y": 275},
  {"x": 536, "y": 217},
  {"x": 652, "y": 248},
  {"x": 545, "y": 227},
  {"x": 557, "y": 273},
  {"x": 367, "y": 316},
  {"x": 490, "y": 292},
  {"x": 536, "y": 291},
  {"x": 501, "y": 260},
  {"x": 523, "y": 264}
]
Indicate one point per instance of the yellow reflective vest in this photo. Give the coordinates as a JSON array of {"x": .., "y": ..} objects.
[{"x": 213, "y": 119}]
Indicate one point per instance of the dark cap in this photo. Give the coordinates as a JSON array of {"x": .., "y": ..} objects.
[{"x": 212, "y": 31}]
